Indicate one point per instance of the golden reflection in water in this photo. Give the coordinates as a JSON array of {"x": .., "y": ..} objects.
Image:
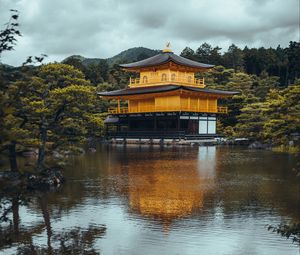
[{"x": 164, "y": 188}]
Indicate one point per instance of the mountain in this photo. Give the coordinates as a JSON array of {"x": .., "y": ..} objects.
[
  {"x": 126, "y": 56},
  {"x": 132, "y": 55}
]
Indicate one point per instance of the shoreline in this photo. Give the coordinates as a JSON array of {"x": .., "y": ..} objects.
[{"x": 180, "y": 142}]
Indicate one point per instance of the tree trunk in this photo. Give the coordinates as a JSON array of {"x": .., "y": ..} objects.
[
  {"x": 286, "y": 76},
  {"x": 42, "y": 150},
  {"x": 12, "y": 156}
]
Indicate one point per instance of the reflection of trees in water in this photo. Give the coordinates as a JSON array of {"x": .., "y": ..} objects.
[
  {"x": 10, "y": 230},
  {"x": 73, "y": 241}
]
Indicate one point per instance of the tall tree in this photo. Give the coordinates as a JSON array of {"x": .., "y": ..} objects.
[
  {"x": 61, "y": 108},
  {"x": 293, "y": 54},
  {"x": 203, "y": 53},
  {"x": 234, "y": 58},
  {"x": 8, "y": 115},
  {"x": 189, "y": 53}
]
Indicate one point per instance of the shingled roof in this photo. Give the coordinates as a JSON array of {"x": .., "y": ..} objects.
[
  {"x": 164, "y": 58},
  {"x": 163, "y": 88}
]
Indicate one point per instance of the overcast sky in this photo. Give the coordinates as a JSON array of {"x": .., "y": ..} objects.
[{"x": 103, "y": 28}]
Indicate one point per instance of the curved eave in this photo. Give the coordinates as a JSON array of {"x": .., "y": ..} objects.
[
  {"x": 164, "y": 88},
  {"x": 162, "y": 59}
]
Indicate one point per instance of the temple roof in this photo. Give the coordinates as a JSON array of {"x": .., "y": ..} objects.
[
  {"x": 163, "y": 88},
  {"x": 164, "y": 58}
]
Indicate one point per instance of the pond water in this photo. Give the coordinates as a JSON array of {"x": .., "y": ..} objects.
[{"x": 160, "y": 200}]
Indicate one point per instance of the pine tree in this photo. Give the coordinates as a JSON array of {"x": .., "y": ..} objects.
[
  {"x": 283, "y": 114},
  {"x": 61, "y": 108}
]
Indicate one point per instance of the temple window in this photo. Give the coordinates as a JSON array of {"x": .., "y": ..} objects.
[
  {"x": 164, "y": 77},
  {"x": 145, "y": 79},
  {"x": 189, "y": 79},
  {"x": 173, "y": 76}
]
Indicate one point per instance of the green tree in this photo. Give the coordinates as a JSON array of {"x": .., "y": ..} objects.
[
  {"x": 13, "y": 125},
  {"x": 228, "y": 79},
  {"x": 209, "y": 55},
  {"x": 234, "y": 58},
  {"x": 118, "y": 78},
  {"x": 61, "y": 108},
  {"x": 251, "y": 121},
  {"x": 293, "y": 54},
  {"x": 263, "y": 84},
  {"x": 283, "y": 114},
  {"x": 75, "y": 62},
  {"x": 10, "y": 117},
  {"x": 189, "y": 53}
]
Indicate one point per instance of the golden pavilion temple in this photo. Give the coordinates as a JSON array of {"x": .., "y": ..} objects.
[{"x": 166, "y": 101}]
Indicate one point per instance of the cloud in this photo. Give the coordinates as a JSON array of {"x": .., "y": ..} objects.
[{"x": 103, "y": 28}]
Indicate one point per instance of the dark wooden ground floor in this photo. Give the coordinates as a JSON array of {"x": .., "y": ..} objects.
[{"x": 161, "y": 125}]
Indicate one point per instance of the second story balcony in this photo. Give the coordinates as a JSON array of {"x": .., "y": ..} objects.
[
  {"x": 145, "y": 109},
  {"x": 163, "y": 80}
]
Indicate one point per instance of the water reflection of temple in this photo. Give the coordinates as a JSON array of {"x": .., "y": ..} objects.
[{"x": 167, "y": 188}]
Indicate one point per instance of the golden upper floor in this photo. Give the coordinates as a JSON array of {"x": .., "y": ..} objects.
[
  {"x": 165, "y": 69},
  {"x": 165, "y": 77}
]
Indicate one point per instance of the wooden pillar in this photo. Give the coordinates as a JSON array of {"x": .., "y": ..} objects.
[
  {"x": 119, "y": 108},
  {"x": 207, "y": 103}
]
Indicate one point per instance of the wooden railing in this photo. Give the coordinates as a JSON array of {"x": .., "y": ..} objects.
[
  {"x": 123, "y": 110},
  {"x": 134, "y": 82},
  {"x": 222, "y": 109},
  {"x": 117, "y": 110}
]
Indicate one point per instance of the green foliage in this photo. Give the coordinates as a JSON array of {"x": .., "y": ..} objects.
[
  {"x": 283, "y": 114},
  {"x": 263, "y": 84},
  {"x": 251, "y": 121},
  {"x": 273, "y": 120},
  {"x": 189, "y": 53},
  {"x": 61, "y": 107},
  {"x": 8, "y": 36},
  {"x": 53, "y": 108},
  {"x": 281, "y": 62},
  {"x": 234, "y": 58},
  {"x": 262, "y": 111}
]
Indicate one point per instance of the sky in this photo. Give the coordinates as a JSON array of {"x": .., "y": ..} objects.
[{"x": 104, "y": 28}]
